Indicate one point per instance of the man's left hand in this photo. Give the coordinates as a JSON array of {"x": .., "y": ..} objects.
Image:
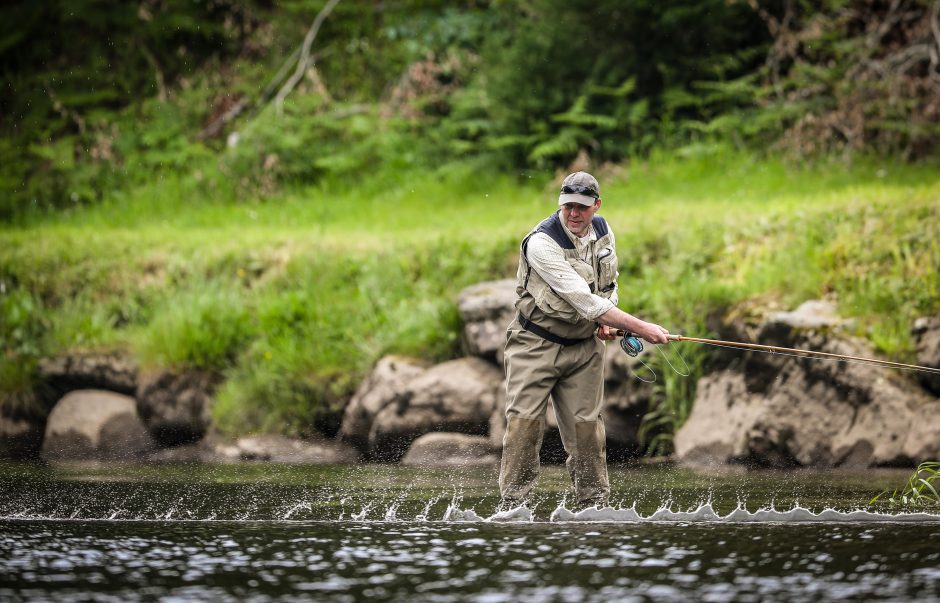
[{"x": 605, "y": 333}]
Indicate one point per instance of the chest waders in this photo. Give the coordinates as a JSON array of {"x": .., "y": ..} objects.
[{"x": 551, "y": 353}]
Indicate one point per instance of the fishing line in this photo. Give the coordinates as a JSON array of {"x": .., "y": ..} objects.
[
  {"x": 865, "y": 362},
  {"x": 632, "y": 345},
  {"x": 799, "y": 353}
]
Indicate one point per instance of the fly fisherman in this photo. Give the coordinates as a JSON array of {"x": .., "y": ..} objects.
[{"x": 567, "y": 287}]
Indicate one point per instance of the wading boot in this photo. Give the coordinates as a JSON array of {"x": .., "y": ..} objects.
[
  {"x": 508, "y": 504},
  {"x": 588, "y": 465},
  {"x": 519, "y": 467}
]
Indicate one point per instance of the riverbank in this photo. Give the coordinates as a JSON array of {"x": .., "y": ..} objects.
[{"x": 290, "y": 302}]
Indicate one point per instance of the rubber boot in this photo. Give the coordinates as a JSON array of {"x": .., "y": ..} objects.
[
  {"x": 519, "y": 468},
  {"x": 588, "y": 466}
]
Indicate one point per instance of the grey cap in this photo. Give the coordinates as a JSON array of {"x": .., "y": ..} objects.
[{"x": 579, "y": 187}]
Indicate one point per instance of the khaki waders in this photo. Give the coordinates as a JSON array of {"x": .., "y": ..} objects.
[{"x": 573, "y": 377}]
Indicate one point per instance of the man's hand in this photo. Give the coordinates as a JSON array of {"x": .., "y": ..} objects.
[
  {"x": 652, "y": 333},
  {"x": 618, "y": 319},
  {"x": 605, "y": 333}
]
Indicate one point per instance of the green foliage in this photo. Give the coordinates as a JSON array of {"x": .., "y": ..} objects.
[
  {"x": 21, "y": 323},
  {"x": 610, "y": 78},
  {"x": 68, "y": 67},
  {"x": 919, "y": 491},
  {"x": 851, "y": 77},
  {"x": 203, "y": 327}
]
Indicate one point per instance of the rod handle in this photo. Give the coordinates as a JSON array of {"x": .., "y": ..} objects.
[{"x": 670, "y": 336}]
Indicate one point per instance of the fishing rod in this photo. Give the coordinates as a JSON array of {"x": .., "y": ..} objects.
[{"x": 632, "y": 345}]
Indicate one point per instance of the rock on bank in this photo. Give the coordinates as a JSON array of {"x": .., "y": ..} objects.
[{"x": 781, "y": 411}]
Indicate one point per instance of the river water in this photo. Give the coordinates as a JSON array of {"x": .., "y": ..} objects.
[{"x": 380, "y": 532}]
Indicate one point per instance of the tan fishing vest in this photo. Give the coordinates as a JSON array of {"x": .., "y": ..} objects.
[{"x": 540, "y": 304}]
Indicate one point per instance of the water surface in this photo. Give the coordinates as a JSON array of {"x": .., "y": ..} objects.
[{"x": 265, "y": 532}]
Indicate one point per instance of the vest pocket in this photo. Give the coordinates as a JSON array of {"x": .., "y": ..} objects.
[
  {"x": 607, "y": 279},
  {"x": 554, "y": 306}
]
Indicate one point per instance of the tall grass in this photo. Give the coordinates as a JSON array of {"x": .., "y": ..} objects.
[{"x": 919, "y": 491}]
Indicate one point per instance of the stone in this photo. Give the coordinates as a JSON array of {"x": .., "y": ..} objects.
[
  {"x": 812, "y": 314},
  {"x": 95, "y": 425},
  {"x": 458, "y": 396},
  {"x": 450, "y": 449},
  {"x": 22, "y": 423},
  {"x": 781, "y": 411},
  {"x": 281, "y": 449},
  {"x": 926, "y": 333},
  {"x": 383, "y": 385},
  {"x": 486, "y": 310},
  {"x": 87, "y": 370},
  {"x": 177, "y": 407},
  {"x": 20, "y": 438},
  {"x": 626, "y": 401}
]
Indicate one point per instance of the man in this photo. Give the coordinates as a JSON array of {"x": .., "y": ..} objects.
[{"x": 567, "y": 287}]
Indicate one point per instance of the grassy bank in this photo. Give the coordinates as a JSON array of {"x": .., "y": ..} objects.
[{"x": 293, "y": 299}]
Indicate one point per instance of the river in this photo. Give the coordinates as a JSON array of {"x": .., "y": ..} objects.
[{"x": 261, "y": 532}]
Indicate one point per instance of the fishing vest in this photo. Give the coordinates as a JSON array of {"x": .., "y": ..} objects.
[{"x": 539, "y": 303}]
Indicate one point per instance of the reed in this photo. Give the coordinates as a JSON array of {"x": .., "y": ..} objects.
[{"x": 919, "y": 491}]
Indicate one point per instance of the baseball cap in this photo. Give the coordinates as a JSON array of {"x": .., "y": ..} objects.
[{"x": 579, "y": 187}]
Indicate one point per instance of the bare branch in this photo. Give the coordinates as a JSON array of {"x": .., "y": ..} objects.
[
  {"x": 161, "y": 86},
  {"x": 304, "y": 55},
  {"x": 935, "y": 28},
  {"x": 214, "y": 128}
]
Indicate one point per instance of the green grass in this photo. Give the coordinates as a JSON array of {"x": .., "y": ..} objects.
[
  {"x": 293, "y": 298},
  {"x": 919, "y": 491}
]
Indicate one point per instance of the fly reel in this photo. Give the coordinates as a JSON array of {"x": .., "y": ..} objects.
[{"x": 631, "y": 344}]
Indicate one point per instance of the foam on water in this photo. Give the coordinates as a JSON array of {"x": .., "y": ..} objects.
[{"x": 705, "y": 513}]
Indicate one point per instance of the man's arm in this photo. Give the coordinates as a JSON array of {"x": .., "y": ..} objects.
[
  {"x": 618, "y": 319},
  {"x": 545, "y": 257}
]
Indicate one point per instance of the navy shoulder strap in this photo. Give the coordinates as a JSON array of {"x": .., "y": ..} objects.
[
  {"x": 600, "y": 226},
  {"x": 553, "y": 228}
]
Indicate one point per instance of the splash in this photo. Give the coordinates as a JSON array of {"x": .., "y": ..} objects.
[{"x": 705, "y": 513}]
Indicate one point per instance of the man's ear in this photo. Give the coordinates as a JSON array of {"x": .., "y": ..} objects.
[{"x": 597, "y": 204}]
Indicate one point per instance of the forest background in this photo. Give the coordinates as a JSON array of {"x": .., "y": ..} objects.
[{"x": 280, "y": 193}]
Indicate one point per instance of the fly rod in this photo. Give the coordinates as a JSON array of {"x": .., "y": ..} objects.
[{"x": 773, "y": 349}]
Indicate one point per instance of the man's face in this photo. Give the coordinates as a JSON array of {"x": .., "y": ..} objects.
[{"x": 577, "y": 217}]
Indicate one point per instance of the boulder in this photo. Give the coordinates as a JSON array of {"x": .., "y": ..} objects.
[
  {"x": 20, "y": 438},
  {"x": 927, "y": 335},
  {"x": 626, "y": 401},
  {"x": 95, "y": 425},
  {"x": 486, "y": 309},
  {"x": 87, "y": 370},
  {"x": 177, "y": 407},
  {"x": 22, "y": 422},
  {"x": 814, "y": 314},
  {"x": 383, "y": 385},
  {"x": 280, "y": 449},
  {"x": 781, "y": 411},
  {"x": 450, "y": 449},
  {"x": 454, "y": 396}
]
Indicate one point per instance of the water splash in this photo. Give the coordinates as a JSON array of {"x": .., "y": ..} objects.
[
  {"x": 705, "y": 513},
  {"x": 301, "y": 506},
  {"x": 518, "y": 515}
]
